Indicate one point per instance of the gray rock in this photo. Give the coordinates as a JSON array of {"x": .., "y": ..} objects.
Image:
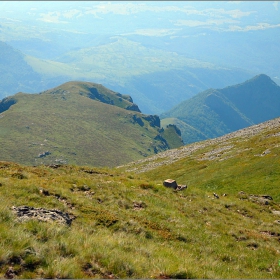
[
  {"x": 170, "y": 183},
  {"x": 25, "y": 213}
]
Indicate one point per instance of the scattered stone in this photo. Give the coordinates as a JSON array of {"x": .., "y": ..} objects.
[
  {"x": 90, "y": 171},
  {"x": 265, "y": 152},
  {"x": 181, "y": 187},
  {"x": 270, "y": 233},
  {"x": 253, "y": 245},
  {"x": 263, "y": 199},
  {"x": 25, "y": 213},
  {"x": 267, "y": 197},
  {"x": 44, "y": 154},
  {"x": 11, "y": 273},
  {"x": 44, "y": 192},
  {"x": 84, "y": 188},
  {"x": 216, "y": 196},
  {"x": 170, "y": 183},
  {"x": 242, "y": 195},
  {"x": 139, "y": 205},
  {"x": 61, "y": 161},
  {"x": 260, "y": 199},
  {"x": 54, "y": 166},
  {"x": 275, "y": 212}
]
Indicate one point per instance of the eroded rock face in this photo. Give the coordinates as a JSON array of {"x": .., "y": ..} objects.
[
  {"x": 25, "y": 213},
  {"x": 154, "y": 120}
]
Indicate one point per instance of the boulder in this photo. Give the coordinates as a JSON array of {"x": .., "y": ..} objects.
[{"x": 170, "y": 183}]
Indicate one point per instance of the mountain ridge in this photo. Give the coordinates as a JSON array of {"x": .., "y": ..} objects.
[{"x": 215, "y": 112}]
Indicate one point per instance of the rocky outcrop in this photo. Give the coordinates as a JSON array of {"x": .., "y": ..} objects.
[
  {"x": 133, "y": 107},
  {"x": 137, "y": 119},
  {"x": 154, "y": 120},
  {"x": 260, "y": 199},
  {"x": 6, "y": 103},
  {"x": 25, "y": 213}
]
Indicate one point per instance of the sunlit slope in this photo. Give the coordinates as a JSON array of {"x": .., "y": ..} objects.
[
  {"x": 246, "y": 160},
  {"x": 126, "y": 224},
  {"x": 215, "y": 112},
  {"x": 81, "y": 123}
]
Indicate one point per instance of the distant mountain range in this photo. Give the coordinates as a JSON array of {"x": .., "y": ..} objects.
[
  {"x": 156, "y": 79},
  {"x": 15, "y": 72},
  {"x": 79, "y": 123},
  {"x": 215, "y": 112}
]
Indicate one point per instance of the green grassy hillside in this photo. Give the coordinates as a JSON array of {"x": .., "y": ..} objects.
[
  {"x": 123, "y": 223},
  {"x": 78, "y": 123},
  {"x": 215, "y": 112}
]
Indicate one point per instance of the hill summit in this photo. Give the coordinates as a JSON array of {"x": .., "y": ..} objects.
[
  {"x": 215, "y": 112},
  {"x": 96, "y": 92},
  {"x": 79, "y": 123}
]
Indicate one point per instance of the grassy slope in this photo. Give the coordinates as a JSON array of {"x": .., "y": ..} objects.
[
  {"x": 186, "y": 234},
  {"x": 74, "y": 129},
  {"x": 95, "y": 92}
]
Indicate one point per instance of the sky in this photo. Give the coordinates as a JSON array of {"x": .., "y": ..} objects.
[{"x": 167, "y": 16}]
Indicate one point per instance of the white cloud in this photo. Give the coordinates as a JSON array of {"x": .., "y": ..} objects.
[
  {"x": 195, "y": 23},
  {"x": 154, "y": 32},
  {"x": 71, "y": 13},
  {"x": 275, "y": 4},
  {"x": 52, "y": 17},
  {"x": 259, "y": 26},
  {"x": 133, "y": 8}
]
